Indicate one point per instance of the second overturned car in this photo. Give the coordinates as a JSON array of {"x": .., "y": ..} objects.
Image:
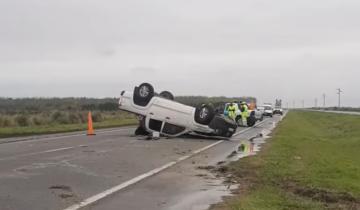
[{"x": 160, "y": 113}]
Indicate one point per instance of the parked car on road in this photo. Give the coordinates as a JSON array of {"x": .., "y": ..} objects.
[
  {"x": 268, "y": 110},
  {"x": 278, "y": 111},
  {"x": 160, "y": 113}
]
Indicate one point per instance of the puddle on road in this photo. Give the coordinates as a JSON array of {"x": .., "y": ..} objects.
[
  {"x": 249, "y": 147},
  {"x": 210, "y": 192}
]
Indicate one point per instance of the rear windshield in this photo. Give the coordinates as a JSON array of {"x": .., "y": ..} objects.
[{"x": 267, "y": 108}]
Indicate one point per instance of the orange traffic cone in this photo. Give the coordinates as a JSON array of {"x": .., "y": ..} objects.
[{"x": 90, "y": 131}]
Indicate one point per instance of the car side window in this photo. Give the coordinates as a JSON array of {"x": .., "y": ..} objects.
[
  {"x": 155, "y": 125},
  {"x": 172, "y": 129}
]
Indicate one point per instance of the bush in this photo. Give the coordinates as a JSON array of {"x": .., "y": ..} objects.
[
  {"x": 97, "y": 117},
  {"x": 37, "y": 121},
  {"x": 22, "y": 120},
  {"x": 7, "y": 122},
  {"x": 83, "y": 117},
  {"x": 60, "y": 117},
  {"x": 74, "y": 118}
]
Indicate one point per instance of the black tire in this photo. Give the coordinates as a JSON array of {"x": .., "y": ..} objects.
[
  {"x": 145, "y": 91},
  {"x": 251, "y": 121},
  {"x": 140, "y": 131},
  {"x": 167, "y": 95},
  {"x": 143, "y": 94},
  {"x": 204, "y": 114},
  {"x": 237, "y": 119}
]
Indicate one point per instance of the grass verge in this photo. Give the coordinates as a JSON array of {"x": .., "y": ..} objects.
[
  {"x": 311, "y": 162},
  {"x": 59, "y": 128}
]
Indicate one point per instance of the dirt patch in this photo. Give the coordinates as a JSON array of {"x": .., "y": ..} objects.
[
  {"x": 232, "y": 154},
  {"x": 220, "y": 162},
  {"x": 332, "y": 199},
  {"x": 63, "y": 192},
  {"x": 66, "y": 195},
  {"x": 60, "y": 187},
  {"x": 222, "y": 169},
  {"x": 201, "y": 175},
  {"x": 206, "y": 167}
]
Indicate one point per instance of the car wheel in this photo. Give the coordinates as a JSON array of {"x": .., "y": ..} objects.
[
  {"x": 146, "y": 91},
  {"x": 251, "y": 121},
  {"x": 143, "y": 94},
  {"x": 238, "y": 120},
  {"x": 204, "y": 114},
  {"x": 141, "y": 130},
  {"x": 167, "y": 95}
]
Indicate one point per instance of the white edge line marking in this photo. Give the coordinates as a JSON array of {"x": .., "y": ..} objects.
[
  {"x": 141, "y": 177},
  {"x": 243, "y": 131}
]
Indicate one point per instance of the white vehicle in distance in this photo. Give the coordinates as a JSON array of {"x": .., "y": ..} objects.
[
  {"x": 160, "y": 113},
  {"x": 268, "y": 110},
  {"x": 261, "y": 109},
  {"x": 278, "y": 110}
]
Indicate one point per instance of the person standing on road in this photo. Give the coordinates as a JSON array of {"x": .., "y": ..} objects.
[
  {"x": 244, "y": 112},
  {"x": 232, "y": 111}
]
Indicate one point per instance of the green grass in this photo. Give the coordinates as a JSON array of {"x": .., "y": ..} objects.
[
  {"x": 59, "y": 128},
  {"x": 311, "y": 162}
]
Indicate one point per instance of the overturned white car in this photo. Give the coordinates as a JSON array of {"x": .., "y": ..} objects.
[{"x": 160, "y": 113}]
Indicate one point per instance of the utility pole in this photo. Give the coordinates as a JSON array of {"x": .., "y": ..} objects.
[
  {"x": 293, "y": 104},
  {"x": 339, "y": 93},
  {"x": 324, "y": 98},
  {"x": 316, "y": 100},
  {"x": 303, "y": 104}
]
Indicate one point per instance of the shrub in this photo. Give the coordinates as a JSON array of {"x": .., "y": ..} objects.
[
  {"x": 60, "y": 117},
  {"x": 74, "y": 118},
  {"x": 7, "y": 122},
  {"x": 36, "y": 120},
  {"x": 97, "y": 117},
  {"x": 83, "y": 117},
  {"x": 22, "y": 120}
]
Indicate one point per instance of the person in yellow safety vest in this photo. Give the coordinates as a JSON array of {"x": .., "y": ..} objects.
[
  {"x": 244, "y": 112},
  {"x": 232, "y": 111}
]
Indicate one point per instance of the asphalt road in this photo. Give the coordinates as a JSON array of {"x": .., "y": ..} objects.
[{"x": 114, "y": 170}]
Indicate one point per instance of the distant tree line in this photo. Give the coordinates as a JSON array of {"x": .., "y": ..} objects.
[
  {"x": 218, "y": 101},
  {"x": 39, "y": 105},
  {"x": 46, "y": 111}
]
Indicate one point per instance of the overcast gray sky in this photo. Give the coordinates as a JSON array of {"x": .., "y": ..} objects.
[{"x": 285, "y": 49}]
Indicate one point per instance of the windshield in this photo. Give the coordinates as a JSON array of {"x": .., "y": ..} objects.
[{"x": 267, "y": 108}]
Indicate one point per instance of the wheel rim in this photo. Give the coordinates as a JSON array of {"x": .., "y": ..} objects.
[
  {"x": 204, "y": 113},
  {"x": 144, "y": 91}
]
